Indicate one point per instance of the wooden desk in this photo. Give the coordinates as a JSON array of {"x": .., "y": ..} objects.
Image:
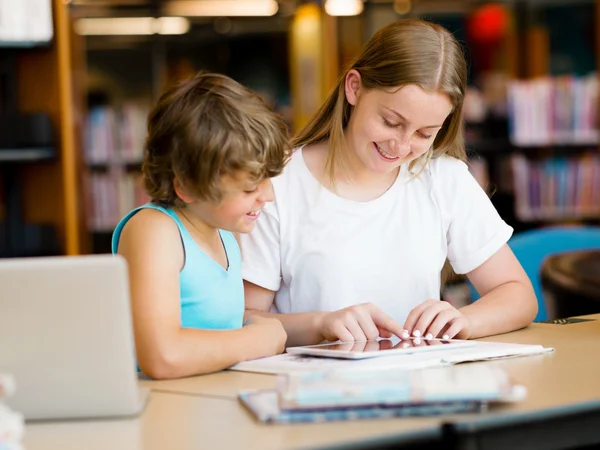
[
  {"x": 563, "y": 391},
  {"x": 184, "y": 421},
  {"x": 566, "y": 339},
  {"x": 562, "y": 408}
]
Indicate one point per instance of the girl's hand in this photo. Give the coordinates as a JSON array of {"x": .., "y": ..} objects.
[
  {"x": 435, "y": 318},
  {"x": 357, "y": 323}
]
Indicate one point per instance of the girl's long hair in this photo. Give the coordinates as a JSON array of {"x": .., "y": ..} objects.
[{"x": 404, "y": 52}]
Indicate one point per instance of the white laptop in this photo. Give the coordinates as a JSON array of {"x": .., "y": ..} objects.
[{"x": 66, "y": 336}]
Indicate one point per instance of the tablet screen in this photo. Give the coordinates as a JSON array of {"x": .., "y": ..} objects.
[{"x": 382, "y": 347}]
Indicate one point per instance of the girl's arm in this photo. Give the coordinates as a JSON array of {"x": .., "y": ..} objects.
[
  {"x": 507, "y": 300},
  {"x": 151, "y": 244},
  {"x": 355, "y": 323},
  {"x": 507, "y": 303}
]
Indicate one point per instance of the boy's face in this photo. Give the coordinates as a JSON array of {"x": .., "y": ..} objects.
[{"x": 240, "y": 205}]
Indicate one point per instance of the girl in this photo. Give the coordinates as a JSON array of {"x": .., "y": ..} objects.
[
  {"x": 376, "y": 198},
  {"x": 212, "y": 146}
]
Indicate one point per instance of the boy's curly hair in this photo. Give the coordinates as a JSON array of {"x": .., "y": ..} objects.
[{"x": 204, "y": 128}]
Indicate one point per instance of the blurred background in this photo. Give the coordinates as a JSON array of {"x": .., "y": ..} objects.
[{"x": 78, "y": 77}]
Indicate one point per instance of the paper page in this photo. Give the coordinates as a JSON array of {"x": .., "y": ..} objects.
[{"x": 286, "y": 363}]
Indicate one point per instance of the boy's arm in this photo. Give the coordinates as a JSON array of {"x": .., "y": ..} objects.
[
  {"x": 151, "y": 244},
  {"x": 301, "y": 329},
  {"x": 354, "y": 323}
]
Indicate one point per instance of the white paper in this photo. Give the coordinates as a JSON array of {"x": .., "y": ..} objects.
[{"x": 287, "y": 363}]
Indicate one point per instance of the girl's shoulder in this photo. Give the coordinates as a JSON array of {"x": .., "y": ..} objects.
[
  {"x": 447, "y": 167},
  {"x": 452, "y": 183},
  {"x": 294, "y": 171}
]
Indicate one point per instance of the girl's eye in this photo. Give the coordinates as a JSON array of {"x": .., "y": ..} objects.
[
  {"x": 425, "y": 136},
  {"x": 389, "y": 124}
]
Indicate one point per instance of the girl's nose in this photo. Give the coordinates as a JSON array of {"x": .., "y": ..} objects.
[{"x": 400, "y": 147}]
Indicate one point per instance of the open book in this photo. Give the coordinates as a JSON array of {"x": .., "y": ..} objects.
[{"x": 287, "y": 363}]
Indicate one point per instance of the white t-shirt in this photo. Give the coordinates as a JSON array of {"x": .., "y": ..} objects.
[{"x": 321, "y": 252}]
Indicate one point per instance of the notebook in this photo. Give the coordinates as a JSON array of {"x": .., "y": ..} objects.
[
  {"x": 264, "y": 406},
  {"x": 362, "y": 394}
]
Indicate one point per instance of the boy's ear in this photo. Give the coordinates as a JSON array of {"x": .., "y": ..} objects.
[
  {"x": 352, "y": 86},
  {"x": 181, "y": 193}
]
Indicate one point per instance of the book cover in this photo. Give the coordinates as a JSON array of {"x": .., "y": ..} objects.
[
  {"x": 264, "y": 406},
  {"x": 378, "y": 388}
]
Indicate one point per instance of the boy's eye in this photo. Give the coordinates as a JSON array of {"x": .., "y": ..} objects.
[{"x": 250, "y": 191}]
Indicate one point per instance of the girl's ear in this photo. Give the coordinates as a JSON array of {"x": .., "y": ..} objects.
[
  {"x": 352, "y": 86},
  {"x": 180, "y": 191}
]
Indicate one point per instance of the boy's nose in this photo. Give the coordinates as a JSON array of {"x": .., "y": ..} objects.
[{"x": 266, "y": 191}]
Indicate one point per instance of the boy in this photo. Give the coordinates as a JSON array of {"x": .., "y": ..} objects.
[{"x": 211, "y": 150}]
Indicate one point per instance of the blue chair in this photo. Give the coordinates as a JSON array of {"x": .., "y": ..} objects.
[{"x": 533, "y": 246}]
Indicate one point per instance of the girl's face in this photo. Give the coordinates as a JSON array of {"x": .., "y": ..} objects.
[
  {"x": 389, "y": 128},
  {"x": 239, "y": 207}
]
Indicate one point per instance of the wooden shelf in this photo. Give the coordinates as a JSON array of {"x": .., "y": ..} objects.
[
  {"x": 47, "y": 82},
  {"x": 494, "y": 147},
  {"x": 23, "y": 44},
  {"x": 25, "y": 155},
  {"x": 126, "y": 165}
]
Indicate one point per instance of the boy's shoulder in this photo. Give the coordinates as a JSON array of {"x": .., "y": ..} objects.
[
  {"x": 147, "y": 231},
  {"x": 149, "y": 221}
]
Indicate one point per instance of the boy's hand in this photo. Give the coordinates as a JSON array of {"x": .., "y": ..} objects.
[
  {"x": 357, "y": 323},
  {"x": 435, "y": 318},
  {"x": 272, "y": 337}
]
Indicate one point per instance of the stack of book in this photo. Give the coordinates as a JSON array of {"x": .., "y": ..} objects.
[
  {"x": 557, "y": 188},
  {"x": 12, "y": 424},
  {"x": 367, "y": 394},
  {"x": 116, "y": 135},
  {"x": 554, "y": 111}
]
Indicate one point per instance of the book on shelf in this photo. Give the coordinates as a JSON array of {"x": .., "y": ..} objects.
[
  {"x": 361, "y": 394},
  {"x": 115, "y": 139},
  {"x": 111, "y": 196},
  {"x": 553, "y": 111},
  {"x": 115, "y": 136},
  {"x": 557, "y": 188}
]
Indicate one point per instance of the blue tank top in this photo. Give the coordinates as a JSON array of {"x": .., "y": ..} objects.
[{"x": 212, "y": 298}]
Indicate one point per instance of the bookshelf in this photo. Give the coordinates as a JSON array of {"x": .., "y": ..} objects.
[
  {"x": 56, "y": 183},
  {"x": 542, "y": 154},
  {"x": 113, "y": 153},
  {"x": 43, "y": 182}
]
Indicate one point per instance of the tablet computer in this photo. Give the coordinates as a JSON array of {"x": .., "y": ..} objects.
[{"x": 380, "y": 347}]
